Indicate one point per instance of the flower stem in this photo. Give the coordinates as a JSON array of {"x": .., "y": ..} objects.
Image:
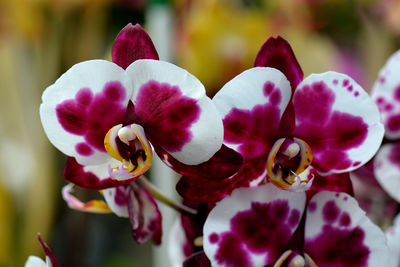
[{"x": 146, "y": 184}]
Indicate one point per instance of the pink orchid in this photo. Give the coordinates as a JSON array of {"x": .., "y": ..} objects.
[
  {"x": 107, "y": 115},
  {"x": 267, "y": 226},
  {"x": 283, "y": 125},
  {"x": 386, "y": 93}
]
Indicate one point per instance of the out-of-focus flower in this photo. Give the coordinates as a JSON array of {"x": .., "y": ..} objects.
[
  {"x": 34, "y": 261},
  {"x": 386, "y": 93},
  {"x": 105, "y": 117},
  {"x": 281, "y": 125},
  {"x": 373, "y": 199},
  {"x": 265, "y": 225},
  {"x": 393, "y": 237}
]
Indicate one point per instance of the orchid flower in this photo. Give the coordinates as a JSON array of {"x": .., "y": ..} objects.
[
  {"x": 282, "y": 125},
  {"x": 34, "y": 261},
  {"x": 186, "y": 234},
  {"x": 106, "y": 116},
  {"x": 267, "y": 226},
  {"x": 386, "y": 93}
]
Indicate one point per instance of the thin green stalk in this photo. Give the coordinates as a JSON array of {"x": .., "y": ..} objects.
[{"x": 146, "y": 184}]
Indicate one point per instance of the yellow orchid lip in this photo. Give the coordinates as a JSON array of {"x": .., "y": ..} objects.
[
  {"x": 129, "y": 145},
  {"x": 287, "y": 159}
]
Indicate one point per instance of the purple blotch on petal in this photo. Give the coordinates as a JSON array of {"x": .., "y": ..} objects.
[
  {"x": 92, "y": 116},
  {"x": 397, "y": 93},
  {"x": 84, "y": 149},
  {"x": 394, "y": 154},
  {"x": 166, "y": 114},
  {"x": 345, "y": 219},
  {"x": 313, "y": 103},
  {"x": 338, "y": 247},
  {"x": 330, "y": 134},
  {"x": 231, "y": 252},
  {"x": 312, "y": 206},
  {"x": 213, "y": 238},
  {"x": 269, "y": 238},
  {"x": 330, "y": 211}
]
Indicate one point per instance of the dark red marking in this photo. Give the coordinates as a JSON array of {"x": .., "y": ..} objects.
[
  {"x": 345, "y": 219},
  {"x": 313, "y": 103},
  {"x": 337, "y": 247},
  {"x": 394, "y": 154},
  {"x": 231, "y": 252},
  {"x": 312, "y": 206},
  {"x": 91, "y": 116},
  {"x": 329, "y": 133},
  {"x": 268, "y": 87},
  {"x": 121, "y": 196},
  {"x": 388, "y": 107},
  {"x": 83, "y": 149},
  {"x": 213, "y": 238},
  {"x": 166, "y": 114},
  {"x": 393, "y": 123},
  {"x": 397, "y": 93},
  {"x": 330, "y": 211},
  {"x": 266, "y": 228}
]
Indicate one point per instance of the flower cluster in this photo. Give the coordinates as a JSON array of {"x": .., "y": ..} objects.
[{"x": 264, "y": 164}]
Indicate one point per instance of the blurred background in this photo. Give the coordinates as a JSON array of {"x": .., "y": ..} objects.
[{"x": 213, "y": 39}]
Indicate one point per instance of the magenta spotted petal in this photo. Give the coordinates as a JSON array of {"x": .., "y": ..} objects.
[
  {"x": 386, "y": 93},
  {"x": 175, "y": 112},
  {"x": 338, "y": 120},
  {"x": 338, "y": 233},
  {"x": 82, "y": 105},
  {"x": 252, "y": 227},
  {"x": 131, "y": 44}
]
